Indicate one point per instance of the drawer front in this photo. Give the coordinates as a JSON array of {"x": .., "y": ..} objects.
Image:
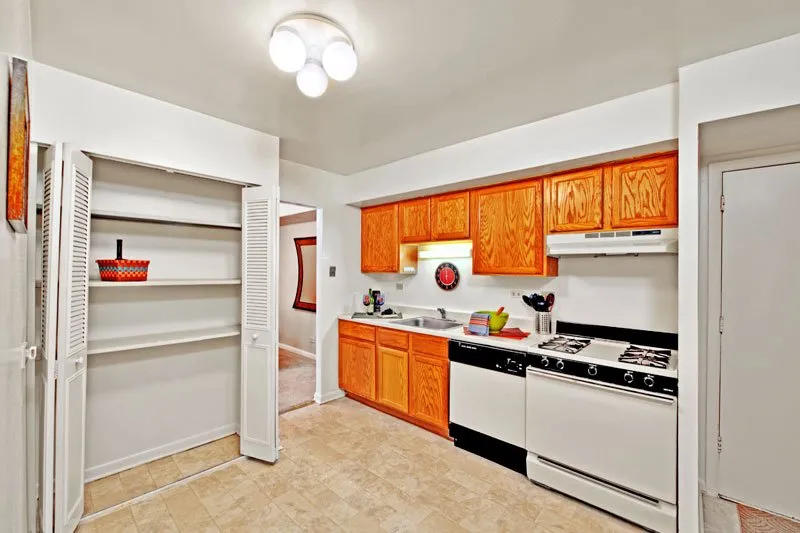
[
  {"x": 393, "y": 338},
  {"x": 427, "y": 344},
  {"x": 356, "y": 330}
]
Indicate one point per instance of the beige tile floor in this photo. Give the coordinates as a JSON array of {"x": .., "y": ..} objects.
[
  {"x": 297, "y": 380},
  {"x": 112, "y": 490},
  {"x": 346, "y": 467}
]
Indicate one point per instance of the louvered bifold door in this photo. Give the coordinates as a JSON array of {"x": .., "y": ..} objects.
[
  {"x": 73, "y": 303},
  {"x": 51, "y": 230},
  {"x": 259, "y": 402}
]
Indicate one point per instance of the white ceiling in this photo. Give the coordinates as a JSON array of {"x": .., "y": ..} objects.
[{"x": 432, "y": 72}]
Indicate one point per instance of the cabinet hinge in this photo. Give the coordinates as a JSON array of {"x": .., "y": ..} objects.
[
  {"x": 721, "y": 323},
  {"x": 55, "y": 371},
  {"x": 722, "y": 203},
  {"x": 719, "y": 443}
]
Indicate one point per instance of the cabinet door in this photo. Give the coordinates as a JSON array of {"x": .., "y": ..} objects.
[
  {"x": 645, "y": 193},
  {"x": 507, "y": 231},
  {"x": 429, "y": 381},
  {"x": 380, "y": 243},
  {"x": 450, "y": 216},
  {"x": 574, "y": 202},
  {"x": 393, "y": 378},
  {"x": 415, "y": 220},
  {"x": 357, "y": 367}
]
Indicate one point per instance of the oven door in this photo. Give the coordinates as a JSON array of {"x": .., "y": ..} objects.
[{"x": 622, "y": 437}]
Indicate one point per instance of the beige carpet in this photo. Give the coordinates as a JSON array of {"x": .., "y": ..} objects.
[{"x": 297, "y": 380}]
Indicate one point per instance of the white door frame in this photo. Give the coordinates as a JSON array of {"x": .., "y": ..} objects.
[{"x": 714, "y": 299}]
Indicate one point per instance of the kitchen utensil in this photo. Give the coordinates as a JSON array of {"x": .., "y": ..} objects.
[
  {"x": 527, "y": 300},
  {"x": 497, "y": 321},
  {"x": 499, "y": 310},
  {"x": 544, "y": 323},
  {"x": 550, "y": 301}
]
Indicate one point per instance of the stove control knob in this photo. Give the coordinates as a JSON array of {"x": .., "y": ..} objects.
[
  {"x": 649, "y": 381},
  {"x": 628, "y": 377},
  {"x": 560, "y": 364},
  {"x": 545, "y": 361},
  {"x": 592, "y": 370}
]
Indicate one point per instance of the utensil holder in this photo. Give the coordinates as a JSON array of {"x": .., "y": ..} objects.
[{"x": 544, "y": 323}]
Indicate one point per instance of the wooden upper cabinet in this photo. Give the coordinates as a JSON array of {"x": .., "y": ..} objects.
[
  {"x": 507, "y": 230},
  {"x": 450, "y": 216},
  {"x": 574, "y": 201},
  {"x": 644, "y": 193},
  {"x": 415, "y": 220},
  {"x": 380, "y": 242}
]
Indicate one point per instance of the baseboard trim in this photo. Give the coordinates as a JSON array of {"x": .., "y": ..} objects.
[
  {"x": 329, "y": 397},
  {"x": 298, "y": 351},
  {"x": 113, "y": 467}
]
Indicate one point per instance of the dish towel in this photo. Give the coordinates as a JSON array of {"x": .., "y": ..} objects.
[{"x": 479, "y": 324}]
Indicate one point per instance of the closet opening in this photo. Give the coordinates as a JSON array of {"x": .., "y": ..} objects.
[
  {"x": 163, "y": 357},
  {"x": 297, "y": 306}
]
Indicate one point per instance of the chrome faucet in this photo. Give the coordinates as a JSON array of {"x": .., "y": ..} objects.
[{"x": 443, "y": 312}]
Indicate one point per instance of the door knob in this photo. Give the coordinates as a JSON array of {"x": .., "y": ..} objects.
[{"x": 255, "y": 336}]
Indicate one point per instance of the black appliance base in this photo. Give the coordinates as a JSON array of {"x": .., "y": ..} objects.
[{"x": 495, "y": 450}]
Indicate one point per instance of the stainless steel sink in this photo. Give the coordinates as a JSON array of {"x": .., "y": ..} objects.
[{"x": 428, "y": 323}]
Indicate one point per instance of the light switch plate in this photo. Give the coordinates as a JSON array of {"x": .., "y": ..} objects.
[{"x": 399, "y": 286}]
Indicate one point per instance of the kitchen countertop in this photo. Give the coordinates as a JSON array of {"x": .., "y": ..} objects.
[{"x": 454, "y": 333}]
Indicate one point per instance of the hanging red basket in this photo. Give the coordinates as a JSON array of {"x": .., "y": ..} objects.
[{"x": 123, "y": 269}]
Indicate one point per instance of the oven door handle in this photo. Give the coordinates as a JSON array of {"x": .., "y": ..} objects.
[{"x": 605, "y": 387}]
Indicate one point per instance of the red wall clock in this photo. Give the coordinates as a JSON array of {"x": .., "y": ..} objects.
[{"x": 447, "y": 276}]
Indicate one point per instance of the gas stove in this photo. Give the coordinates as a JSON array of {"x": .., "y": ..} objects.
[
  {"x": 571, "y": 345},
  {"x": 639, "y": 355}
]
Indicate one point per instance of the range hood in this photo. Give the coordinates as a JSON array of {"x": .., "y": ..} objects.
[{"x": 627, "y": 242}]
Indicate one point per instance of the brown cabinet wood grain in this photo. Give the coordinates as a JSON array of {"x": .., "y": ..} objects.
[
  {"x": 507, "y": 229},
  {"x": 429, "y": 390},
  {"x": 393, "y": 378},
  {"x": 415, "y": 220},
  {"x": 357, "y": 367},
  {"x": 380, "y": 241},
  {"x": 450, "y": 216},
  {"x": 644, "y": 193},
  {"x": 392, "y": 338},
  {"x": 574, "y": 201}
]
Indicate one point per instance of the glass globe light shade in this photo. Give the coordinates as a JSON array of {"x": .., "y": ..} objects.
[
  {"x": 340, "y": 60},
  {"x": 311, "y": 80},
  {"x": 287, "y": 50}
]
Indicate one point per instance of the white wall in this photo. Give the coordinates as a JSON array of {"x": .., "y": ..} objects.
[
  {"x": 747, "y": 81},
  {"x": 637, "y": 120},
  {"x": 339, "y": 245},
  {"x": 634, "y": 292},
  {"x": 106, "y": 120},
  {"x": 297, "y": 327}
]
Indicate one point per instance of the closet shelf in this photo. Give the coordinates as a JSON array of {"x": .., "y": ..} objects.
[
  {"x": 163, "y": 283},
  {"x": 162, "y": 219},
  {"x": 123, "y": 344}
]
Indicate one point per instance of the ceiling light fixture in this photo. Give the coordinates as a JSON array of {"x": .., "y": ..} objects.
[{"x": 316, "y": 48}]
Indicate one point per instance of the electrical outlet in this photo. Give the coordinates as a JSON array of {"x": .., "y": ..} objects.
[
  {"x": 399, "y": 286},
  {"x": 332, "y": 271},
  {"x": 517, "y": 293}
]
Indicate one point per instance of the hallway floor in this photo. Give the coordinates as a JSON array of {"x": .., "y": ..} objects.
[
  {"x": 297, "y": 380},
  {"x": 723, "y": 516},
  {"x": 346, "y": 467}
]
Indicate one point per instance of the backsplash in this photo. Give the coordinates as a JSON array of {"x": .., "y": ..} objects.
[{"x": 634, "y": 292}]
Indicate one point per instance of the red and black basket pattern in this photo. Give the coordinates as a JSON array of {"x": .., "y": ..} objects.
[{"x": 123, "y": 269}]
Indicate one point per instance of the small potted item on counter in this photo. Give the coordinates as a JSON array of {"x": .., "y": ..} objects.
[{"x": 120, "y": 269}]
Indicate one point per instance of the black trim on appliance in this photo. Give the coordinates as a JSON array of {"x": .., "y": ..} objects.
[
  {"x": 619, "y": 377},
  {"x": 495, "y": 450},
  {"x": 654, "y": 339},
  {"x": 488, "y": 357}
]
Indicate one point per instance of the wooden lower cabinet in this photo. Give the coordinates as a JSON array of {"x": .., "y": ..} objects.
[
  {"x": 403, "y": 374},
  {"x": 393, "y": 378},
  {"x": 357, "y": 367},
  {"x": 430, "y": 389}
]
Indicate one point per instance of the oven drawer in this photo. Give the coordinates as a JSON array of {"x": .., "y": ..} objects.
[{"x": 626, "y": 438}]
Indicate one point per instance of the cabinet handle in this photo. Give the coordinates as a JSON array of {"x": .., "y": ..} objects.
[
  {"x": 79, "y": 361},
  {"x": 255, "y": 336}
]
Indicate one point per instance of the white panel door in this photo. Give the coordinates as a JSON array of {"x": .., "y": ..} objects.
[
  {"x": 259, "y": 401},
  {"x": 73, "y": 304},
  {"x": 51, "y": 231},
  {"x": 760, "y": 360}
]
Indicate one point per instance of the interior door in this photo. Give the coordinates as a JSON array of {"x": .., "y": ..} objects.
[
  {"x": 51, "y": 231},
  {"x": 259, "y": 401},
  {"x": 71, "y": 354},
  {"x": 759, "y": 394}
]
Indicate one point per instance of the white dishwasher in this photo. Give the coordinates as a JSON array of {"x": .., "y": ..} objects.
[{"x": 487, "y": 402}]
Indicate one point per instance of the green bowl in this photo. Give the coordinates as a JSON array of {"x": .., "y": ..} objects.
[{"x": 496, "y": 322}]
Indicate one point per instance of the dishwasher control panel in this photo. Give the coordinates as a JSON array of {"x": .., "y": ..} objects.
[{"x": 489, "y": 357}]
